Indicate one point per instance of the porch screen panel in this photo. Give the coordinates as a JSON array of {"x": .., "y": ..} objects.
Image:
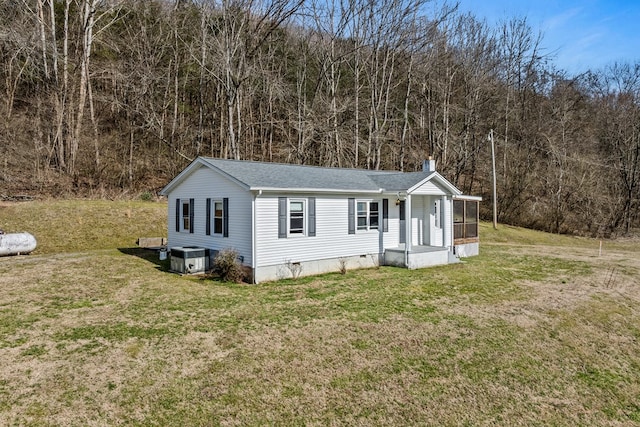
[
  {"x": 471, "y": 219},
  {"x": 458, "y": 219}
]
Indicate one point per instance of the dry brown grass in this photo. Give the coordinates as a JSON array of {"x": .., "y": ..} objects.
[{"x": 525, "y": 334}]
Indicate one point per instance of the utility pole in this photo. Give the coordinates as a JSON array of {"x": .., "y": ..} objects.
[{"x": 493, "y": 162}]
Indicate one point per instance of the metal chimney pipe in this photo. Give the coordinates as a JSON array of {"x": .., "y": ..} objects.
[{"x": 429, "y": 165}]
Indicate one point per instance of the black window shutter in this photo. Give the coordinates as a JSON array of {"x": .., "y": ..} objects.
[
  {"x": 282, "y": 217},
  {"x": 208, "y": 217},
  {"x": 312, "y": 216},
  {"x": 352, "y": 215},
  {"x": 385, "y": 214},
  {"x": 225, "y": 217},
  {"x": 177, "y": 215},
  {"x": 191, "y": 214}
]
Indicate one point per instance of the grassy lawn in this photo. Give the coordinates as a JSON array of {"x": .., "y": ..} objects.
[{"x": 537, "y": 330}]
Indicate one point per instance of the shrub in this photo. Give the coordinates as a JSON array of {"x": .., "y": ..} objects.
[
  {"x": 295, "y": 268},
  {"x": 228, "y": 267},
  {"x": 342, "y": 264},
  {"x": 147, "y": 196}
]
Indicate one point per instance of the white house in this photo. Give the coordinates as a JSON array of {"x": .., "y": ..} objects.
[{"x": 290, "y": 219}]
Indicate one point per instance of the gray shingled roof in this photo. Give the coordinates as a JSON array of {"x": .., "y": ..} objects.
[
  {"x": 277, "y": 175},
  {"x": 399, "y": 181}
]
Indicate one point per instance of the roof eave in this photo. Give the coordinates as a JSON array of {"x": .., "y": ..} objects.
[
  {"x": 199, "y": 161},
  {"x": 227, "y": 175}
]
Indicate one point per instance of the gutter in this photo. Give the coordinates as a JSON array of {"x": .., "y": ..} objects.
[
  {"x": 466, "y": 197},
  {"x": 316, "y": 190}
]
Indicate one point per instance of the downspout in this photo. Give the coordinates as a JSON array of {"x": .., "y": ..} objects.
[
  {"x": 451, "y": 229},
  {"x": 254, "y": 251}
]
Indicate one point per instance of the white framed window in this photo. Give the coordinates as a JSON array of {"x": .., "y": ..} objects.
[
  {"x": 367, "y": 215},
  {"x": 374, "y": 215},
  {"x": 437, "y": 213},
  {"x": 297, "y": 217},
  {"x": 186, "y": 215},
  {"x": 363, "y": 215},
  {"x": 218, "y": 216}
]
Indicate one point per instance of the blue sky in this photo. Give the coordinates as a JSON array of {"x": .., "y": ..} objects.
[{"x": 582, "y": 35}]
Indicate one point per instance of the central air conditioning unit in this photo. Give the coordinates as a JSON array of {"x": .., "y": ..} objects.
[{"x": 188, "y": 259}]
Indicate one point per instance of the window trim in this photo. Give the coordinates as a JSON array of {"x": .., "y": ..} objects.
[
  {"x": 214, "y": 217},
  {"x": 303, "y": 215},
  {"x": 364, "y": 227},
  {"x": 368, "y": 215},
  {"x": 185, "y": 219},
  {"x": 377, "y": 227}
]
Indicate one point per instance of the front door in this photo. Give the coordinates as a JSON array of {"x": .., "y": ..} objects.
[
  {"x": 403, "y": 223},
  {"x": 435, "y": 222}
]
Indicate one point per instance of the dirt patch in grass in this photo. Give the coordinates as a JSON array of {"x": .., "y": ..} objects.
[{"x": 613, "y": 274}]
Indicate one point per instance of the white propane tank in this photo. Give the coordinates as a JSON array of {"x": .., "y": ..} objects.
[{"x": 17, "y": 243}]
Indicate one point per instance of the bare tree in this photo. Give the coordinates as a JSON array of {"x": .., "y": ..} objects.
[
  {"x": 616, "y": 92},
  {"x": 238, "y": 30}
]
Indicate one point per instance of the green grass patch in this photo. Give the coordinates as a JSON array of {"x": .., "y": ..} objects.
[
  {"x": 522, "y": 236},
  {"x": 78, "y": 225}
]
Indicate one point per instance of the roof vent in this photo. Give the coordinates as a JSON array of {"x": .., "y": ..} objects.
[{"x": 429, "y": 165}]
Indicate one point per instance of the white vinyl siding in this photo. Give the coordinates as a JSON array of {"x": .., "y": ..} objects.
[
  {"x": 434, "y": 229},
  {"x": 392, "y": 236},
  {"x": 417, "y": 221},
  {"x": 424, "y": 230},
  {"x": 205, "y": 183},
  {"x": 429, "y": 188},
  {"x": 447, "y": 221},
  {"x": 331, "y": 240}
]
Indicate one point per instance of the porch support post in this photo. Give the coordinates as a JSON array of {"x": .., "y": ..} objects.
[
  {"x": 407, "y": 229},
  {"x": 443, "y": 221}
]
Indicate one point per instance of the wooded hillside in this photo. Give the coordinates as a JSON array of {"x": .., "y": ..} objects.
[{"x": 104, "y": 96}]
